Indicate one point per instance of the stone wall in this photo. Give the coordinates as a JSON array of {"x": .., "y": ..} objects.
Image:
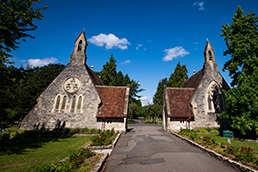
[
  {"x": 199, "y": 101},
  {"x": 44, "y": 114}
]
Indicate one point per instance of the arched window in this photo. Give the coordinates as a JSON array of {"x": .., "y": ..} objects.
[
  {"x": 209, "y": 102},
  {"x": 57, "y": 102},
  {"x": 79, "y": 103},
  {"x": 209, "y": 55},
  {"x": 73, "y": 103},
  {"x": 215, "y": 98},
  {"x": 63, "y": 103},
  {"x": 80, "y": 46}
]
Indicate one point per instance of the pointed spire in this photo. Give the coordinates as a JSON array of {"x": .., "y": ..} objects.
[
  {"x": 80, "y": 44},
  {"x": 208, "y": 52},
  {"x": 210, "y": 63}
]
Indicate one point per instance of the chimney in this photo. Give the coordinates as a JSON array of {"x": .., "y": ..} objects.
[
  {"x": 193, "y": 71},
  {"x": 92, "y": 67}
]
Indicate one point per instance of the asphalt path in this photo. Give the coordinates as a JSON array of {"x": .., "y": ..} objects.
[{"x": 148, "y": 148}]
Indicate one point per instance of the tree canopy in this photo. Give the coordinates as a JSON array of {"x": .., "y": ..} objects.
[
  {"x": 17, "y": 17},
  {"x": 241, "y": 38},
  {"x": 21, "y": 87},
  {"x": 176, "y": 79}
]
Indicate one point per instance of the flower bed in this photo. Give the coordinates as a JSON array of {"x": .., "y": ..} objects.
[{"x": 238, "y": 153}]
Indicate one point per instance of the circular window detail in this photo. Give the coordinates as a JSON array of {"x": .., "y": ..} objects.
[{"x": 72, "y": 85}]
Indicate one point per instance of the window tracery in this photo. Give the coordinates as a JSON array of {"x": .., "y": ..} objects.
[{"x": 215, "y": 98}]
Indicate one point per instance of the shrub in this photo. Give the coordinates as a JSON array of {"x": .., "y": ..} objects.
[
  {"x": 246, "y": 155},
  {"x": 72, "y": 163},
  {"x": 202, "y": 130},
  {"x": 66, "y": 131},
  {"x": 220, "y": 151},
  {"x": 222, "y": 145},
  {"x": 214, "y": 130},
  {"x": 232, "y": 149},
  {"x": 4, "y": 137}
]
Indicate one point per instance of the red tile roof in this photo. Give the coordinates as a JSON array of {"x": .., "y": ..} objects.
[
  {"x": 112, "y": 101},
  {"x": 94, "y": 77},
  {"x": 194, "y": 80},
  {"x": 179, "y": 102}
]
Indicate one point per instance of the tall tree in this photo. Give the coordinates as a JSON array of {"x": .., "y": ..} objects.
[
  {"x": 16, "y": 18},
  {"x": 158, "y": 96},
  {"x": 178, "y": 76},
  {"x": 120, "y": 79},
  {"x": 108, "y": 73},
  {"x": 241, "y": 38}
]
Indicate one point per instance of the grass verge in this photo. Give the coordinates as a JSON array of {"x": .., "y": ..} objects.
[{"x": 31, "y": 153}]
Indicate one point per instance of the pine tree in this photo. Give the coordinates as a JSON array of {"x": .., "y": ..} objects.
[
  {"x": 108, "y": 73},
  {"x": 158, "y": 96},
  {"x": 120, "y": 79},
  {"x": 177, "y": 78}
]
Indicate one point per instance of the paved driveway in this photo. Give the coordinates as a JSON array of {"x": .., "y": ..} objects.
[{"x": 148, "y": 148}]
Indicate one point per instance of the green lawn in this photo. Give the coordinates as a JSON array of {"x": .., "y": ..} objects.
[
  {"x": 33, "y": 152},
  {"x": 218, "y": 138},
  {"x": 150, "y": 122}
]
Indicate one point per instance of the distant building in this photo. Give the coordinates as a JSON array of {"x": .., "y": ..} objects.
[
  {"x": 77, "y": 98},
  {"x": 197, "y": 103}
]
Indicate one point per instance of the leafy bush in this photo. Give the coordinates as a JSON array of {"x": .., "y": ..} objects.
[
  {"x": 4, "y": 137},
  {"x": 105, "y": 138},
  {"x": 70, "y": 164},
  {"x": 214, "y": 131},
  {"x": 246, "y": 155},
  {"x": 220, "y": 151},
  {"x": 232, "y": 149},
  {"x": 202, "y": 130}
]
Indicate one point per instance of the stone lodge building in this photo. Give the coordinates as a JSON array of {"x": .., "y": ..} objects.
[
  {"x": 197, "y": 103},
  {"x": 77, "y": 98}
]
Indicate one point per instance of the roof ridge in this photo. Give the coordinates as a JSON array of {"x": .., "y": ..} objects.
[
  {"x": 182, "y": 88},
  {"x": 110, "y": 86}
]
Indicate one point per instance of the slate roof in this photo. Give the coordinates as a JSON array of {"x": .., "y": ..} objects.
[
  {"x": 194, "y": 80},
  {"x": 94, "y": 77},
  {"x": 179, "y": 102},
  {"x": 113, "y": 99}
]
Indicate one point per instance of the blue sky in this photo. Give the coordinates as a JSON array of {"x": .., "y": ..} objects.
[{"x": 147, "y": 38}]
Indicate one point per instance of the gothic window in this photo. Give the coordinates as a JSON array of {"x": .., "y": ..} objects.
[
  {"x": 63, "y": 103},
  {"x": 79, "y": 103},
  {"x": 73, "y": 103},
  {"x": 209, "y": 102},
  {"x": 209, "y": 55},
  {"x": 57, "y": 102},
  {"x": 215, "y": 98},
  {"x": 80, "y": 46}
]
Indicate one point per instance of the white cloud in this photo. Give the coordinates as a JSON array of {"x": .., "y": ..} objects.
[
  {"x": 139, "y": 45},
  {"x": 144, "y": 49},
  {"x": 145, "y": 101},
  {"x": 42, "y": 62},
  {"x": 200, "y": 4},
  {"x": 110, "y": 40},
  {"x": 196, "y": 43},
  {"x": 125, "y": 62},
  {"x": 148, "y": 40},
  {"x": 174, "y": 53}
]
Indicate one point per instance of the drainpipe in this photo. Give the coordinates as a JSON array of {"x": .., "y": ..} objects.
[
  {"x": 103, "y": 123},
  {"x": 186, "y": 122}
]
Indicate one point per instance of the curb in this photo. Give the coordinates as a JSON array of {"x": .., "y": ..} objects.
[
  {"x": 225, "y": 160},
  {"x": 100, "y": 164}
]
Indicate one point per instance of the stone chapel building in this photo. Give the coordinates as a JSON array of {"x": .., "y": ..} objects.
[
  {"x": 77, "y": 98},
  {"x": 200, "y": 99}
]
